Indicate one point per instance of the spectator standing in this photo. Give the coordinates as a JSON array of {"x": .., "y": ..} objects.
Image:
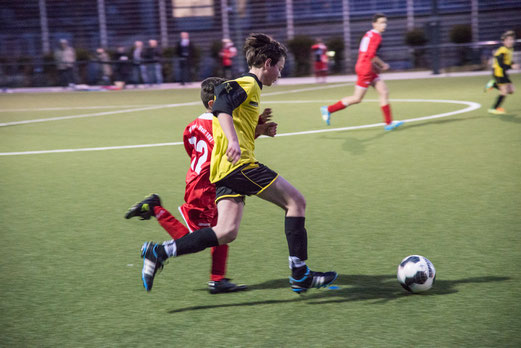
[
  {"x": 138, "y": 60},
  {"x": 65, "y": 57},
  {"x": 185, "y": 53},
  {"x": 153, "y": 58},
  {"x": 228, "y": 51},
  {"x": 123, "y": 67},
  {"x": 104, "y": 64},
  {"x": 320, "y": 59}
]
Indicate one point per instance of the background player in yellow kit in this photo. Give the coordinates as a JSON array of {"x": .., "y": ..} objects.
[{"x": 502, "y": 63}]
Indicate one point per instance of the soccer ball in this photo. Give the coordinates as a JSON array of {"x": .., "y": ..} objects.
[{"x": 416, "y": 273}]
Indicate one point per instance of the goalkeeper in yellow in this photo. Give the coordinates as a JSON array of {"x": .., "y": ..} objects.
[{"x": 502, "y": 63}]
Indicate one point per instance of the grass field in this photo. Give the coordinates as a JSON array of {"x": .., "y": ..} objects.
[{"x": 446, "y": 188}]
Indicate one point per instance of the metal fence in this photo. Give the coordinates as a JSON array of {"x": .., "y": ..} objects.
[{"x": 30, "y": 31}]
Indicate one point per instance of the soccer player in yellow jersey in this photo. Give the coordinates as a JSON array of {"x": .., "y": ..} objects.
[
  {"x": 236, "y": 173},
  {"x": 502, "y": 62}
]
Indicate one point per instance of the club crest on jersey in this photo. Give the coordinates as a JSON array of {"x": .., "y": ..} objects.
[{"x": 228, "y": 88}]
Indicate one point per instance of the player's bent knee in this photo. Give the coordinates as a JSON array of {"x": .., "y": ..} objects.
[
  {"x": 227, "y": 237},
  {"x": 297, "y": 206}
]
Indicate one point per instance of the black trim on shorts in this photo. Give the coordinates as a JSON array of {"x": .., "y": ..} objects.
[
  {"x": 500, "y": 80},
  {"x": 249, "y": 179}
]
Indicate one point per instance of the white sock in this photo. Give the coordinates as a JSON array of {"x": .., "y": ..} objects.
[
  {"x": 295, "y": 262},
  {"x": 170, "y": 248}
]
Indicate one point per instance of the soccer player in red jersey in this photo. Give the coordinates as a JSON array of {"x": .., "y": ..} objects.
[
  {"x": 368, "y": 68},
  {"x": 199, "y": 210}
]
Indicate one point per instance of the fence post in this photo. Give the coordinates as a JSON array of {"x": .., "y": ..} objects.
[
  {"x": 225, "y": 20},
  {"x": 46, "y": 47},
  {"x": 410, "y": 15},
  {"x": 163, "y": 24},
  {"x": 347, "y": 34},
  {"x": 290, "y": 28},
  {"x": 474, "y": 20},
  {"x": 102, "y": 24}
]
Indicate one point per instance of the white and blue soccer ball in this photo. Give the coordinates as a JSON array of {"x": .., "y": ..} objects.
[{"x": 416, "y": 273}]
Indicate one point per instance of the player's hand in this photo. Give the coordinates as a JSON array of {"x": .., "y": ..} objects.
[
  {"x": 233, "y": 152},
  {"x": 515, "y": 66},
  {"x": 384, "y": 67},
  {"x": 265, "y": 116},
  {"x": 269, "y": 129}
]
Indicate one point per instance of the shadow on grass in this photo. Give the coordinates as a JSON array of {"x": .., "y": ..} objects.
[
  {"x": 437, "y": 122},
  {"x": 357, "y": 146},
  {"x": 510, "y": 117},
  {"x": 379, "y": 289}
]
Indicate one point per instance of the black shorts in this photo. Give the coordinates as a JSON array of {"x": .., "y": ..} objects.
[
  {"x": 500, "y": 80},
  {"x": 249, "y": 179}
]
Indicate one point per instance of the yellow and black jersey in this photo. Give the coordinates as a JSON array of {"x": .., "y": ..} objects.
[
  {"x": 239, "y": 98},
  {"x": 502, "y": 61}
]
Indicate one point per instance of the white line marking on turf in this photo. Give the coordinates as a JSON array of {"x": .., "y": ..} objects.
[
  {"x": 150, "y": 107},
  {"x": 470, "y": 107},
  {"x": 79, "y": 108}
]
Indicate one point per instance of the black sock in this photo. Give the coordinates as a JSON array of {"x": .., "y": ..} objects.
[
  {"x": 499, "y": 100},
  {"x": 196, "y": 241},
  {"x": 297, "y": 237},
  {"x": 299, "y": 272}
]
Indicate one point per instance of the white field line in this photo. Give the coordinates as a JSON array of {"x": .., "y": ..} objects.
[
  {"x": 144, "y": 107},
  {"x": 97, "y": 114},
  {"x": 308, "y": 89},
  {"x": 79, "y": 108},
  {"x": 470, "y": 107}
]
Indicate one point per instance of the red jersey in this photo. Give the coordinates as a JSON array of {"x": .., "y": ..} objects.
[
  {"x": 367, "y": 51},
  {"x": 199, "y": 192},
  {"x": 227, "y": 53}
]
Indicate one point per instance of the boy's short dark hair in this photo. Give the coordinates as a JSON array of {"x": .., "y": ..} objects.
[
  {"x": 509, "y": 33},
  {"x": 260, "y": 47},
  {"x": 376, "y": 16},
  {"x": 208, "y": 87}
]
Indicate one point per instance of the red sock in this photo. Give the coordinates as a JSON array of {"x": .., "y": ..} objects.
[
  {"x": 336, "y": 107},
  {"x": 219, "y": 257},
  {"x": 386, "y": 109},
  {"x": 172, "y": 226}
]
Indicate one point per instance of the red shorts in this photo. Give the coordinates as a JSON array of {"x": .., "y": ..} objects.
[
  {"x": 196, "y": 218},
  {"x": 366, "y": 78},
  {"x": 320, "y": 66}
]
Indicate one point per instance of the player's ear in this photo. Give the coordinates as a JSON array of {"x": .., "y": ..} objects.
[
  {"x": 210, "y": 104},
  {"x": 267, "y": 63}
]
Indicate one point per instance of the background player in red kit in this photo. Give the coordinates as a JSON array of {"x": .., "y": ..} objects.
[
  {"x": 368, "y": 67},
  {"x": 199, "y": 209}
]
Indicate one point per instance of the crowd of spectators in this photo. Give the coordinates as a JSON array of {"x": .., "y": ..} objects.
[{"x": 139, "y": 65}]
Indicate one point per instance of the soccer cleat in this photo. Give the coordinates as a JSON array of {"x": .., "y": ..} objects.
[
  {"x": 490, "y": 85},
  {"x": 145, "y": 208},
  {"x": 312, "y": 280},
  {"x": 498, "y": 111},
  {"x": 223, "y": 286},
  {"x": 326, "y": 115},
  {"x": 393, "y": 125},
  {"x": 152, "y": 262}
]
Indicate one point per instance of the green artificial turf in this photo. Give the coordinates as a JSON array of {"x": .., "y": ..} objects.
[{"x": 446, "y": 188}]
